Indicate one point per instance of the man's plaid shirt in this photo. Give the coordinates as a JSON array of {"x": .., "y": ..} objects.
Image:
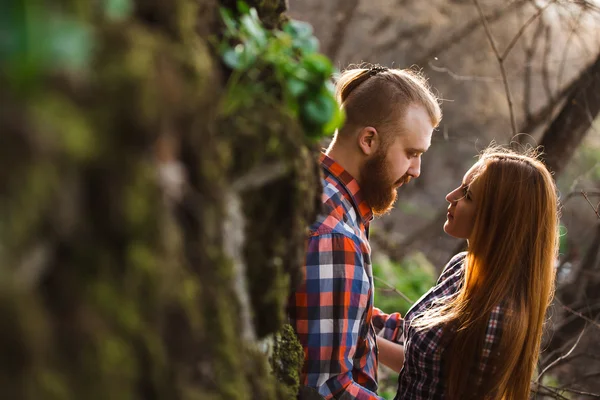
[
  {"x": 332, "y": 309},
  {"x": 422, "y": 377}
]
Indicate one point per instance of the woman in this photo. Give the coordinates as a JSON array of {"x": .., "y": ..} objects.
[{"x": 476, "y": 334}]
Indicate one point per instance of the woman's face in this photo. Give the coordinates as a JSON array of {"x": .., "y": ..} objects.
[{"x": 461, "y": 212}]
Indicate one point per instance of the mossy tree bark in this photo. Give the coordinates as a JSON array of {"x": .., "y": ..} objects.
[{"x": 147, "y": 245}]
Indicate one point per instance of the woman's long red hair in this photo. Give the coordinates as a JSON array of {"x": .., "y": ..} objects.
[{"x": 510, "y": 262}]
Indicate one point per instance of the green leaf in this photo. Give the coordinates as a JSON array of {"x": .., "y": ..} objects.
[
  {"x": 69, "y": 43},
  {"x": 118, "y": 10},
  {"x": 231, "y": 58},
  {"x": 242, "y": 7},
  {"x": 228, "y": 20},
  {"x": 298, "y": 29},
  {"x": 253, "y": 27},
  {"x": 337, "y": 120},
  {"x": 318, "y": 111},
  {"x": 318, "y": 64},
  {"x": 296, "y": 87}
]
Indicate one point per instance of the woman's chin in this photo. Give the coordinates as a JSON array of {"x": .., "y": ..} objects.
[{"x": 446, "y": 227}]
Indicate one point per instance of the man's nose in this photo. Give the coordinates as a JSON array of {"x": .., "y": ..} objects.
[{"x": 415, "y": 168}]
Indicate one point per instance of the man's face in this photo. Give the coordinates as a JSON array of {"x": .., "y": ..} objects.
[{"x": 389, "y": 168}]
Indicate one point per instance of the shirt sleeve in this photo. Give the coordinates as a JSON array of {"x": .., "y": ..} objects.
[
  {"x": 329, "y": 308},
  {"x": 388, "y": 326}
]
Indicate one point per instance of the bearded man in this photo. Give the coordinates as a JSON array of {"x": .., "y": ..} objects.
[{"x": 390, "y": 118}]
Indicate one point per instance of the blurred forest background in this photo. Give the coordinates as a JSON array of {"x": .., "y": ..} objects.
[
  {"x": 158, "y": 173},
  {"x": 545, "y": 47}
]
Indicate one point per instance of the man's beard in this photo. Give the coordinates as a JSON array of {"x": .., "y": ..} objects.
[{"x": 377, "y": 186}]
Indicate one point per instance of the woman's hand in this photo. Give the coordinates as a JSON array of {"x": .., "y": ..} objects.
[{"x": 390, "y": 354}]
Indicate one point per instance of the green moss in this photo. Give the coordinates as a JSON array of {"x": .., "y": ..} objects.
[
  {"x": 116, "y": 359},
  {"x": 63, "y": 124},
  {"x": 50, "y": 385},
  {"x": 31, "y": 202},
  {"x": 286, "y": 362}
]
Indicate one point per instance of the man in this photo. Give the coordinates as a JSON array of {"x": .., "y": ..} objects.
[{"x": 390, "y": 117}]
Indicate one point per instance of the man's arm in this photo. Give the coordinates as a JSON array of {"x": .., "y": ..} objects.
[
  {"x": 390, "y": 354},
  {"x": 327, "y": 314}
]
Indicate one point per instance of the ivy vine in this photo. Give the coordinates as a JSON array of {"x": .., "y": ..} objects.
[{"x": 283, "y": 64}]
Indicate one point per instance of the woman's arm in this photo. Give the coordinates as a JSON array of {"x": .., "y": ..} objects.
[{"x": 390, "y": 354}]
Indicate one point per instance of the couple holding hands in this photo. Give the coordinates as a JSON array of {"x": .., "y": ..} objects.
[{"x": 476, "y": 334}]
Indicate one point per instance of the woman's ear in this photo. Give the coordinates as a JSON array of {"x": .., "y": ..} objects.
[{"x": 368, "y": 140}]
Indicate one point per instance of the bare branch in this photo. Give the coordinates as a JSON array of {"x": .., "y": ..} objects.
[
  {"x": 404, "y": 297},
  {"x": 561, "y": 358},
  {"x": 582, "y": 378},
  {"x": 545, "y": 112},
  {"x": 548, "y": 391},
  {"x": 580, "y": 315},
  {"x": 513, "y": 122},
  {"x": 520, "y": 32},
  {"x": 545, "y": 72},
  {"x": 594, "y": 395},
  {"x": 563, "y": 62},
  {"x": 529, "y": 54},
  {"x": 346, "y": 8},
  {"x": 581, "y": 177},
  {"x": 469, "y": 28},
  {"x": 557, "y": 392},
  {"x": 590, "y": 203},
  {"x": 573, "y": 122},
  {"x": 458, "y": 77},
  {"x": 392, "y": 43}
]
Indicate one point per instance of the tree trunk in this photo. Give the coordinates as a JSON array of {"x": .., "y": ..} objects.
[
  {"x": 146, "y": 246},
  {"x": 568, "y": 129}
]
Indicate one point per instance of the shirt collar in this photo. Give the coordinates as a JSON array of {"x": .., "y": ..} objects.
[{"x": 350, "y": 185}]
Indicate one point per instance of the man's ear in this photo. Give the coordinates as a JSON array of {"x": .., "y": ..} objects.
[{"x": 368, "y": 140}]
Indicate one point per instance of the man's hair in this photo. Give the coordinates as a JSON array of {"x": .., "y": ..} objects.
[{"x": 379, "y": 96}]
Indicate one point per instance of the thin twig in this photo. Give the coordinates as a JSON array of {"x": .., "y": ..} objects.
[
  {"x": 549, "y": 390},
  {"x": 545, "y": 72},
  {"x": 455, "y": 38},
  {"x": 594, "y": 395},
  {"x": 580, "y": 315},
  {"x": 563, "y": 63},
  {"x": 590, "y": 203},
  {"x": 529, "y": 54},
  {"x": 405, "y": 297},
  {"x": 545, "y": 112},
  {"x": 518, "y": 35},
  {"x": 561, "y": 358},
  {"x": 581, "y": 378},
  {"x": 458, "y": 77},
  {"x": 513, "y": 121}
]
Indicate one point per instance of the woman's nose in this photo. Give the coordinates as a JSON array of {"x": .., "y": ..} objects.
[{"x": 450, "y": 197}]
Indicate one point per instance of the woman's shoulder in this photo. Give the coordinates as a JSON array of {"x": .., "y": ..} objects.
[
  {"x": 453, "y": 266},
  {"x": 457, "y": 258}
]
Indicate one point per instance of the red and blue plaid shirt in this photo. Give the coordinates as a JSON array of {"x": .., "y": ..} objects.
[
  {"x": 422, "y": 376},
  {"x": 332, "y": 309}
]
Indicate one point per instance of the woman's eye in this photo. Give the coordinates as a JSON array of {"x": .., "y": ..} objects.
[{"x": 466, "y": 193}]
